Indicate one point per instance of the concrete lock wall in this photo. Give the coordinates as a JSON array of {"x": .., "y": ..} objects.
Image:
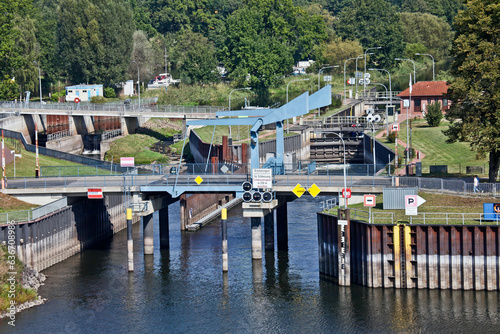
[
  {"x": 458, "y": 257},
  {"x": 55, "y": 237}
]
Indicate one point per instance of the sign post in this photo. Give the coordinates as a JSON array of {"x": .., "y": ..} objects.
[
  {"x": 369, "y": 201},
  {"x": 262, "y": 178},
  {"x": 412, "y": 202}
]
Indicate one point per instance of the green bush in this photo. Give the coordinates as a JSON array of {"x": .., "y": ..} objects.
[
  {"x": 109, "y": 92},
  {"x": 433, "y": 114},
  {"x": 98, "y": 99},
  {"x": 55, "y": 97},
  {"x": 336, "y": 102},
  {"x": 391, "y": 138}
]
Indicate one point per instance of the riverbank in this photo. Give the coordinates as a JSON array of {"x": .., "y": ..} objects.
[{"x": 19, "y": 286}]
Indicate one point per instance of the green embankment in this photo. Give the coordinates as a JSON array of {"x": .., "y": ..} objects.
[
  {"x": 432, "y": 142},
  {"x": 11, "y": 288},
  {"x": 436, "y": 206}
]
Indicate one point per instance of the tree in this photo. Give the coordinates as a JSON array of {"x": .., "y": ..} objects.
[
  {"x": 475, "y": 93},
  {"x": 428, "y": 30},
  {"x": 196, "y": 60},
  {"x": 143, "y": 54},
  {"x": 433, "y": 114},
  {"x": 373, "y": 23},
  {"x": 95, "y": 40},
  {"x": 338, "y": 51},
  {"x": 263, "y": 37}
]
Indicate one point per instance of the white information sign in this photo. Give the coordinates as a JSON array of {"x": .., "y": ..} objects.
[
  {"x": 412, "y": 202},
  {"x": 262, "y": 178},
  {"x": 406, "y": 103},
  {"x": 327, "y": 78}
]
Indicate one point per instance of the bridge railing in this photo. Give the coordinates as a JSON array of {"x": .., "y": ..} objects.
[
  {"x": 32, "y": 214},
  {"x": 116, "y": 107}
]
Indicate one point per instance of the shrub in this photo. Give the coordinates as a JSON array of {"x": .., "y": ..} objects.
[
  {"x": 336, "y": 102},
  {"x": 391, "y": 138},
  {"x": 433, "y": 114},
  {"x": 109, "y": 92},
  {"x": 98, "y": 99},
  {"x": 55, "y": 97}
]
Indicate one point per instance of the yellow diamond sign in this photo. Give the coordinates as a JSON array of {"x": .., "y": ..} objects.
[
  {"x": 314, "y": 190},
  {"x": 298, "y": 190},
  {"x": 198, "y": 179}
]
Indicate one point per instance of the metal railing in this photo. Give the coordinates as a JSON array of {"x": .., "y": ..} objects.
[
  {"x": 115, "y": 107},
  {"x": 59, "y": 135},
  {"x": 111, "y": 134},
  {"x": 452, "y": 186},
  {"x": 32, "y": 214}
]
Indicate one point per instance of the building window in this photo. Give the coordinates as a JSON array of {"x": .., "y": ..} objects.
[
  {"x": 84, "y": 91},
  {"x": 445, "y": 102},
  {"x": 70, "y": 91},
  {"x": 429, "y": 101},
  {"x": 417, "y": 102}
]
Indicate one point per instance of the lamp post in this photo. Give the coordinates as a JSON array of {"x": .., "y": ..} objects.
[
  {"x": 39, "y": 79},
  {"x": 345, "y": 91},
  {"x": 15, "y": 156},
  {"x": 295, "y": 118},
  {"x": 426, "y": 54},
  {"x": 374, "y": 48},
  {"x": 390, "y": 95},
  {"x": 374, "y": 155},
  {"x": 359, "y": 57},
  {"x": 245, "y": 88},
  {"x": 138, "y": 83},
  {"x": 319, "y": 72},
  {"x": 414, "y": 72},
  {"x": 345, "y": 179}
]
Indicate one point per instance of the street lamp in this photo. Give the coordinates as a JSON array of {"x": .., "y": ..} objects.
[
  {"x": 414, "y": 72},
  {"x": 324, "y": 68},
  {"x": 345, "y": 179},
  {"x": 374, "y": 48},
  {"x": 390, "y": 95},
  {"x": 295, "y": 118},
  {"x": 245, "y": 88},
  {"x": 138, "y": 83},
  {"x": 15, "y": 156},
  {"x": 426, "y": 54},
  {"x": 345, "y": 91},
  {"x": 39, "y": 79},
  {"x": 358, "y": 57},
  {"x": 319, "y": 72}
]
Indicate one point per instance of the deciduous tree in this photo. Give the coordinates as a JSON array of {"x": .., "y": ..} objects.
[{"x": 475, "y": 93}]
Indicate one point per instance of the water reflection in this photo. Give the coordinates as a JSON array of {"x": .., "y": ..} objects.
[{"x": 183, "y": 290}]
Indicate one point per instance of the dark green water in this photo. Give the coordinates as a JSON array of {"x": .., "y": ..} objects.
[{"x": 183, "y": 290}]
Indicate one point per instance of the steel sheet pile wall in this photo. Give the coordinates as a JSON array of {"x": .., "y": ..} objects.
[
  {"x": 55, "y": 237},
  {"x": 458, "y": 257}
]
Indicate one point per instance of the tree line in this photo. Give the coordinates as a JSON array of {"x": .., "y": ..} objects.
[{"x": 256, "y": 41}]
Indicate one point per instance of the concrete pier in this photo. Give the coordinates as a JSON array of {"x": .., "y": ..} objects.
[
  {"x": 256, "y": 238},
  {"x": 282, "y": 227},
  {"x": 164, "y": 233},
  {"x": 269, "y": 231},
  {"x": 148, "y": 234}
]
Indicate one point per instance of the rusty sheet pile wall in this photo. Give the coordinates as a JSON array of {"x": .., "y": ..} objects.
[
  {"x": 458, "y": 257},
  {"x": 61, "y": 234}
]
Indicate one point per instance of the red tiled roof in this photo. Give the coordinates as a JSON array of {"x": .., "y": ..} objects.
[{"x": 426, "y": 88}]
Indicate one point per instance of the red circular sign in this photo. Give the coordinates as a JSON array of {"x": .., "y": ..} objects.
[
  {"x": 77, "y": 100},
  {"x": 346, "y": 193}
]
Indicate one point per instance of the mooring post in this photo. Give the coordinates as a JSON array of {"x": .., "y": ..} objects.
[
  {"x": 130, "y": 241},
  {"x": 164, "y": 233},
  {"x": 148, "y": 234},
  {"x": 225, "y": 256},
  {"x": 282, "y": 227},
  {"x": 269, "y": 231},
  {"x": 256, "y": 238}
]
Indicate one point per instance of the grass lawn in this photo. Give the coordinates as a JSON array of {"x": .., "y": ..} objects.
[
  {"x": 434, "y": 207},
  {"x": 432, "y": 142},
  {"x": 137, "y": 146},
  {"x": 25, "y": 166}
]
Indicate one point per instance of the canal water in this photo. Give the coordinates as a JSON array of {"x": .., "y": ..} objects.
[{"x": 183, "y": 290}]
